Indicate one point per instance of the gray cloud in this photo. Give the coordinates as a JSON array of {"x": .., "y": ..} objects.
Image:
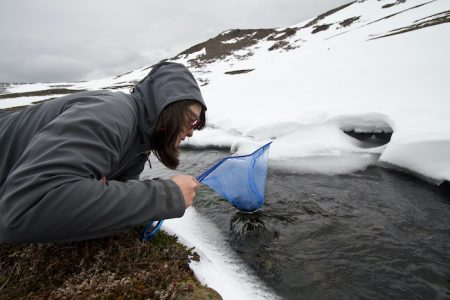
[{"x": 53, "y": 40}]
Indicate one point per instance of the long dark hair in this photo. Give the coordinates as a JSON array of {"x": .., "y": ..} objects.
[{"x": 173, "y": 119}]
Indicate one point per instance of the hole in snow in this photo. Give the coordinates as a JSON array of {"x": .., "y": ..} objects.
[
  {"x": 370, "y": 139},
  {"x": 371, "y": 130},
  {"x": 444, "y": 189}
]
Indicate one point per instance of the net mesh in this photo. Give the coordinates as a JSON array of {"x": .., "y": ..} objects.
[{"x": 241, "y": 180}]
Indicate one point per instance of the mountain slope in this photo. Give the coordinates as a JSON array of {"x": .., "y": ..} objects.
[{"x": 374, "y": 67}]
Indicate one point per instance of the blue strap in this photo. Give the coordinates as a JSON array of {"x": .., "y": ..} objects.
[{"x": 148, "y": 235}]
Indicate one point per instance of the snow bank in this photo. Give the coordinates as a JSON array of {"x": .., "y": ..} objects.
[
  {"x": 291, "y": 97},
  {"x": 219, "y": 267}
]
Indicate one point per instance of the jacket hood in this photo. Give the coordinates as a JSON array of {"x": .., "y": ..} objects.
[{"x": 166, "y": 83}]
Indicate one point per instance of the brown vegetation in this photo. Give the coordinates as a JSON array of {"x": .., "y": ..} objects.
[
  {"x": 220, "y": 47},
  {"x": 119, "y": 267}
]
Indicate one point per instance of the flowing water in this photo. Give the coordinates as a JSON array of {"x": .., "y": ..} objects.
[{"x": 375, "y": 234}]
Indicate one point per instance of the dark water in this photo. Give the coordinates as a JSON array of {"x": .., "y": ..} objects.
[{"x": 377, "y": 234}]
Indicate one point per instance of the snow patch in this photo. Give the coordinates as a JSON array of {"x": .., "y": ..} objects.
[{"x": 218, "y": 267}]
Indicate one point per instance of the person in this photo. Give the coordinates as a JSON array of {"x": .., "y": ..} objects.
[{"x": 70, "y": 166}]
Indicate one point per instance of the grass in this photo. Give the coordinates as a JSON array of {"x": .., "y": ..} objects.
[{"x": 117, "y": 267}]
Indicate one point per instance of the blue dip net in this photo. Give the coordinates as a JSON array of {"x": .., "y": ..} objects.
[{"x": 241, "y": 180}]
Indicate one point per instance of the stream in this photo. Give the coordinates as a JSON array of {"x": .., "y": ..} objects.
[{"x": 373, "y": 234}]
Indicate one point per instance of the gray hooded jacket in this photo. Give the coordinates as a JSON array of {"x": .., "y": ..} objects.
[{"x": 53, "y": 155}]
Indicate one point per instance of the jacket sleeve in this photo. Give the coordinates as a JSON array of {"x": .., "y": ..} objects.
[{"x": 53, "y": 192}]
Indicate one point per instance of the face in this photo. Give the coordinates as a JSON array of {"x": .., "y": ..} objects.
[{"x": 188, "y": 131}]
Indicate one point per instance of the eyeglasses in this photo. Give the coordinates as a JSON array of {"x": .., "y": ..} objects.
[{"x": 196, "y": 123}]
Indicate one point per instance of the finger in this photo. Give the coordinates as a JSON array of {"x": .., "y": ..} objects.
[{"x": 197, "y": 183}]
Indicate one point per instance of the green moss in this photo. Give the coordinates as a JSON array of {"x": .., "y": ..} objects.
[{"x": 118, "y": 267}]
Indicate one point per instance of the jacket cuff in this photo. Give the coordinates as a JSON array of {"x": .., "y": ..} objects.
[{"x": 174, "y": 196}]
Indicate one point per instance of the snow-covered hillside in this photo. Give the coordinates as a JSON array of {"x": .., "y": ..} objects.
[
  {"x": 375, "y": 70},
  {"x": 367, "y": 67}
]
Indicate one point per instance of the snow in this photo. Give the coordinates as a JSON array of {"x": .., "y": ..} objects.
[
  {"x": 303, "y": 99},
  {"x": 232, "y": 41},
  {"x": 190, "y": 56},
  {"x": 22, "y": 101},
  {"x": 219, "y": 266},
  {"x": 400, "y": 80}
]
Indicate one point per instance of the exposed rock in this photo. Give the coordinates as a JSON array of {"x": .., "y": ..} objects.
[
  {"x": 326, "y": 14},
  {"x": 229, "y": 42},
  {"x": 239, "y": 71},
  {"x": 392, "y": 15},
  {"x": 433, "y": 20},
  {"x": 393, "y": 4},
  {"x": 60, "y": 91},
  {"x": 349, "y": 21},
  {"x": 321, "y": 28}
]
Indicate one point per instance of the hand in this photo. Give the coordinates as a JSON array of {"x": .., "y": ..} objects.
[{"x": 188, "y": 186}]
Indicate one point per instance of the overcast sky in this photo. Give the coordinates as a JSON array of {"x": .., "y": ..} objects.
[{"x": 68, "y": 40}]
